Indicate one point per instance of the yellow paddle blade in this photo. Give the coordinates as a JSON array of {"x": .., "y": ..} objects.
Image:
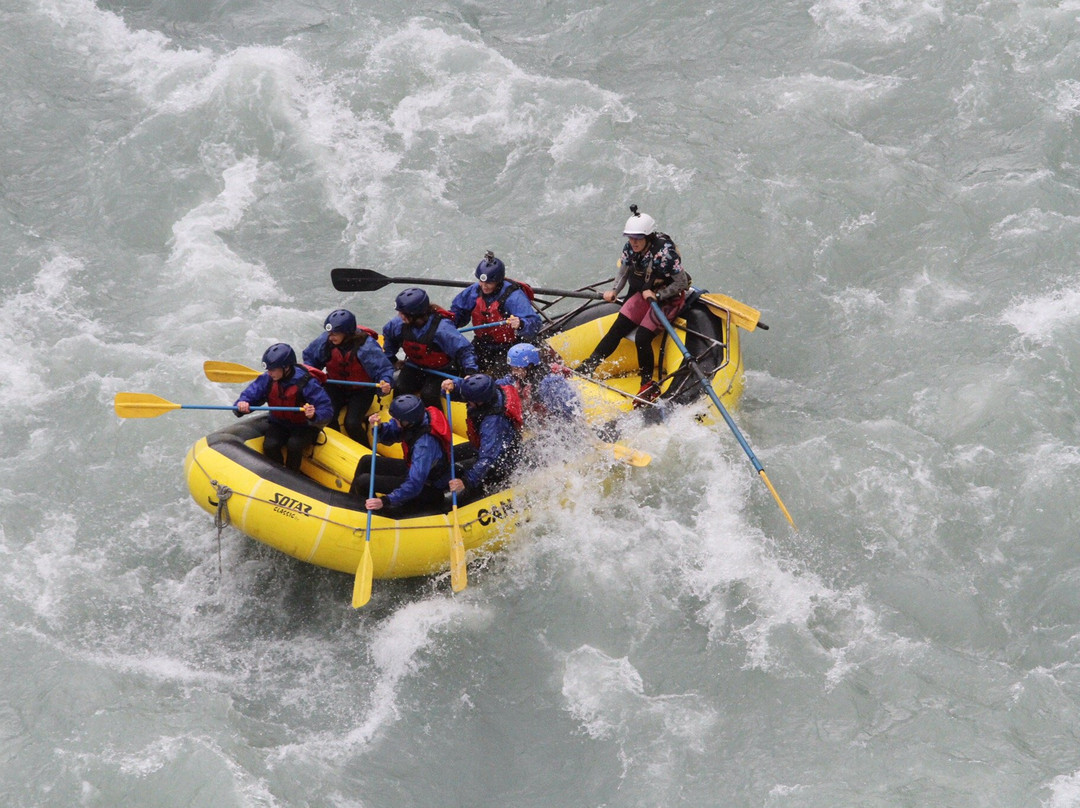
[
  {"x": 361, "y": 592},
  {"x": 743, "y": 316},
  {"x": 779, "y": 501},
  {"x": 142, "y": 405},
  {"x": 628, "y": 455},
  {"x": 229, "y": 372},
  {"x": 459, "y": 576}
]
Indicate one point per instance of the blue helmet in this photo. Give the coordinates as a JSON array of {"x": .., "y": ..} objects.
[
  {"x": 341, "y": 320},
  {"x": 478, "y": 389},
  {"x": 522, "y": 355},
  {"x": 408, "y": 409},
  {"x": 278, "y": 355},
  {"x": 491, "y": 269},
  {"x": 413, "y": 302}
]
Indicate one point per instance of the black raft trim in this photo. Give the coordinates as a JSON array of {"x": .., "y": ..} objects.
[{"x": 231, "y": 441}]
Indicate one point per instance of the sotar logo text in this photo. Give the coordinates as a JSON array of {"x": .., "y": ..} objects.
[
  {"x": 288, "y": 503},
  {"x": 500, "y": 511}
]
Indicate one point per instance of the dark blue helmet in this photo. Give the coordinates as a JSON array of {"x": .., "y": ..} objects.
[
  {"x": 408, "y": 409},
  {"x": 341, "y": 320},
  {"x": 413, "y": 302},
  {"x": 491, "y": 269},
  {"x": 522, "y": 355},
  {"x": 478, "y": 389},
  {"x": 278, "y": 355}
]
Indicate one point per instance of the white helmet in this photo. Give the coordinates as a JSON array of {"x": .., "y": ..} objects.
[{"x": 639, "y": 224}]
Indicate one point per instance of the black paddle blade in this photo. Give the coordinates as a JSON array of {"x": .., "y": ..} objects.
[{"x": 354, "y": 279}]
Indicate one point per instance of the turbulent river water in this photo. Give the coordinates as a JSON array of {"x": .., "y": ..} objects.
[{"x": 894, "y": 183}]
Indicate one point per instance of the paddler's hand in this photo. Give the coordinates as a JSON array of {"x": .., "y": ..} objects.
[
  {"x": 648, "y": 294},
  {"x": 448, "y": 385},
  {"x": 456, "y": 485},
  {"x": 384, "y": 388},
  {"x": 243, "y": 407},
  {"x": 609, "y": 295},
  {"x": 514, "y": 321},
  {"x": 309, "y": 411},
  {"x": 373, "y": 418},
  {"x": 373, "y": 504}
]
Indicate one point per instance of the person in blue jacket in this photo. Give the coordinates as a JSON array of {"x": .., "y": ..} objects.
[
  {"x": 430, "y": 341},
  {"x": 494, "y": 428},
  {"x": 422, "y": 476},
  {"x": 350, "y": 354},
  {"x": 494, "y": 299},
  {"x": 287, "y": 384},
  {"x": 545, "y": 393}
]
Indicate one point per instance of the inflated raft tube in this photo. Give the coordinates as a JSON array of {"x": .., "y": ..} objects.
[{"x": 317, "y": 520}]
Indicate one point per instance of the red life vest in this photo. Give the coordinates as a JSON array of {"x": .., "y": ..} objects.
[
  {"x": 511, "y": 408},
  {"x": 437, "y": 426},
  {"x": 343, "y": 363},
  {"x": 420, "y": 347},
  {"x": 289, "y": 393},
  {"x": 484, "y": 312}
]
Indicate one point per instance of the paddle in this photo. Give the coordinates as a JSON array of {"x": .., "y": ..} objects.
[
  {"x": 719, "y": 406},
  {"x": 481, "y": 326},
  {"x": 591, "y": 380},
  {"x": 233, "y": 372},
  {"x": 361, "y": 592},
  {"x": 459, "y": 576},
  {"x": 626, "y": 454},
  {"x": 745, "y": 317},
  {"x": 354, "y": 279},
  {"x": 147, "y": 405}
]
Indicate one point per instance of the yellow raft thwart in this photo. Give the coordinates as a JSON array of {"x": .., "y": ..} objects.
[{"x": 311, "y": 516}]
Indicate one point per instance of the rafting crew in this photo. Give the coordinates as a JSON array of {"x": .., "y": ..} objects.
[
  {"x": 350, "y": 353},
  {"x": 494, "y": 421},
  {"x": 430, "y": 341},
  {"x": 495, "y": 299},
  {"x": 423, "y": 474},
  {"x": 287, "y": 384},
  {"x": 651, "y": 268}
]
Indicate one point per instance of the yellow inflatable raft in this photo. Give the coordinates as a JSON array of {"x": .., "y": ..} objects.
[{"x": 311, "y": 516}]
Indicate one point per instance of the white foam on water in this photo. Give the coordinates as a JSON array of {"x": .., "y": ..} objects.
[
  {"x": 1064, "y": 791},
  {"x": 397, "y": 650},
  {"x": 200, "y": 258},
  {"x": 875, "y": 20},
  {"x": 144, "y": 61},
  {"x": 34, "y": 322},
  {"x": 608, "y": 698},
  {"x": 810, "y": 92},
  {"x": 1037, "y": 319}
]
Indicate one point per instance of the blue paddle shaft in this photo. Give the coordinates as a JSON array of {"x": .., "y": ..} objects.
[
  {"x": 481, "y": 326},
  {"x": 663, "y": 320},
  {"x": 250, "y": 409},
  {"x": 351, "y": 384},
  {"x": 371, "y": 482},
  {"x": 450, "y": 423},
  {"x": 450, "y": 376}
]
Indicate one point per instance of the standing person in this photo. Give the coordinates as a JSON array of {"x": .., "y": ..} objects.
[
  {"x": 493, "y": 299},
  {"x": 494, "y": 427},
  {"x": 351, "y": 354},
  {"x": 287, "y": 384},
  {"x": 652, "y": 267},
  {"x": 430, "y": 341},
  {"x": 423, "y": 473},
  {"x": 545, "y": 393}
]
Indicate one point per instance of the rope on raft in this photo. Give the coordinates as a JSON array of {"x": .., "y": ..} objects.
[{"x": 221, "y": 515}]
